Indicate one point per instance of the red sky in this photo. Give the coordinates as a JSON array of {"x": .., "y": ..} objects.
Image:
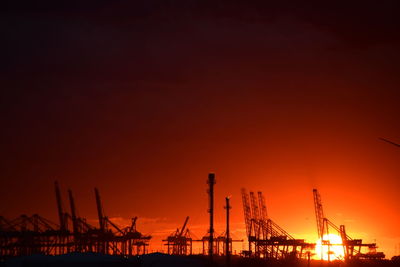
[{"x": 145, "y": 105}]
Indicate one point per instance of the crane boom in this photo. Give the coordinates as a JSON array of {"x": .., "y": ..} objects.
[
  {"x": 184, "y": 226},
  {"x": 59, "y": 207},
  {"x": 319, "y": 213},
  {"x": 254, "y": 206},
  {"x": 99, "y": 209},
  {"x": 263, "y": 206},
  {"x": 246, "y": 211}
]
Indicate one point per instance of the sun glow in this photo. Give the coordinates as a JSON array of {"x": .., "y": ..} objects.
[{"x": 330, "y": 248}]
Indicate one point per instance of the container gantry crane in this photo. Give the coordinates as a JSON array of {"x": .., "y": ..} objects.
[
  {"x": 115, "y": 240},
  {"x": 267, "y": 238},
  {"x": 180, "y": 242},
  {"x": 351, "y": 247},
  {"x": 27, "y": 235}
]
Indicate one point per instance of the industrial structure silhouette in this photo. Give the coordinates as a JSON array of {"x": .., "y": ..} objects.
[{"x": 27, "y": 235}]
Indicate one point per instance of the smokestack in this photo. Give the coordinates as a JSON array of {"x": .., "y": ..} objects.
[
  {"x": 211, "y": 183},
  {"x": 227, "y": 243}
]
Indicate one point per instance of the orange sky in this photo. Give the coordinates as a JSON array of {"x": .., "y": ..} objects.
[
  {"x": 144, "y": 105},
  {"x": 344, "y": 171}
]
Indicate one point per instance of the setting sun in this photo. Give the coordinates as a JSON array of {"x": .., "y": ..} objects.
[{"x": 330, "y": 248}]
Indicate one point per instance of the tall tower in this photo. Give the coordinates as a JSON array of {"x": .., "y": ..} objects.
[
  {"x": 227, "y": 241},
  {"x": 211, "y": 183}
]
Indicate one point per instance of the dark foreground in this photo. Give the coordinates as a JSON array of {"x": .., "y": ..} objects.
[{"x": 158, "y": 260}]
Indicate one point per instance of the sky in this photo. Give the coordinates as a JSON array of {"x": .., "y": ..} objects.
[{"x": 143, "y": 99}]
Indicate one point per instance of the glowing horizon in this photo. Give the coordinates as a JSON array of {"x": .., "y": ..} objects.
[{"x": 329, "y": 248}]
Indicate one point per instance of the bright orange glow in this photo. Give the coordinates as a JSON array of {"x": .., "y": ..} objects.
[{"x": 330, "y": 249}]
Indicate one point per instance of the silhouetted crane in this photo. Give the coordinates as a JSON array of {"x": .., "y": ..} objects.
[
  {"x": 351, "y": 247},
  {"x": 267, "y": 237},
  {"x": 27, "y": 235},
  {"x": 180, "y": 242}
]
